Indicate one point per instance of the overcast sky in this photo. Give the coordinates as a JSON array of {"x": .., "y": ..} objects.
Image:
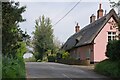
[{"x": 56, "y": 10}]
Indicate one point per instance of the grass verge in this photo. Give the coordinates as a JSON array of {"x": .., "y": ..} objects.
[
  {"x": 108, "y": 68},
  {"x": 13, "y": 68}
]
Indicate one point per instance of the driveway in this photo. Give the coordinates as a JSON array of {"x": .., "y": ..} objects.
[{"x": 60, "y": 71}]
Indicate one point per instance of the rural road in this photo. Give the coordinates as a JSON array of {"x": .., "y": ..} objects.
[{"x": 47, "y": 70}]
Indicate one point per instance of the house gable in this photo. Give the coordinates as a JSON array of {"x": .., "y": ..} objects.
[
  {"x": 101, "y": 40},
  {"x": 86, "y": 35}
]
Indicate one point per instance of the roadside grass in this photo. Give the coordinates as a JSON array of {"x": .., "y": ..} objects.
[
  {"x": 13, "y": 68},
  {"x": 108, "y": 68}
]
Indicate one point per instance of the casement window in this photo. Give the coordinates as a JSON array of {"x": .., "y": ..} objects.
[
  {"x": 88, "y": 52},
  {"x": 111, "y": 36}
]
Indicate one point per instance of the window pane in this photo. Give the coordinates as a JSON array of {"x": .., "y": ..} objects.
[
  {"x": 114, "y": 38},
  {"x": 114, "y": 33},
  {"x": 109, "y": 32},
  {"x": 109, "y": 38}
]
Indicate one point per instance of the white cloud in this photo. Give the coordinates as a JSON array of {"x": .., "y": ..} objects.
[{"x": 65, "y": 28}]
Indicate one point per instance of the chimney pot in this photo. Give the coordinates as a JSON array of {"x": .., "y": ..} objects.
[
  {"x": 92, "y": 18},
  {"x": 77, "y": 28},
  {"x": 105, "y": 12},
  {"x": 100, "y": 11},
  {"x": 100, "y": 6}
]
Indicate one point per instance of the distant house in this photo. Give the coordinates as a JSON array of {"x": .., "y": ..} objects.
[{"x": 91, "y": 41}]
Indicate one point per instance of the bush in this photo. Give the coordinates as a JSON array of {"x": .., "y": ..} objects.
[
  {"x": 51, "y": 58},
  {"x": 59, "y": 56},
  {"x": 63, "y": 54},
  {"x": 39, "y": 60},
  {"x": 37, "y": 56},
  {"x": 108, "y": 68},
  {"x": 13, "y": 68},
  {"x": 113, "y": 50}
]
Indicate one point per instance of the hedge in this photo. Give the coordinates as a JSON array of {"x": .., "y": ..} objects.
[
  {"x": 113, "y": 50},
  {"x": 13, "y": 68},
  {"x": 109, "y": 68}
]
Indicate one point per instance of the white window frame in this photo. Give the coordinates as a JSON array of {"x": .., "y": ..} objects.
[{"x": 112, "y": 36}]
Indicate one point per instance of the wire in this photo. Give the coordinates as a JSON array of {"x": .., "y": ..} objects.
[{"x": 67, "y": 13}]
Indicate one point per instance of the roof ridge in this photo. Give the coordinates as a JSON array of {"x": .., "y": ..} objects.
[{"x": 87, "y": 34}]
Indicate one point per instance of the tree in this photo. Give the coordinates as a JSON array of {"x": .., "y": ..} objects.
[
  {"x": 116, "y": 4},
  {"x": 11, "y": 33},
  {"x": 57, "y": 42},
  {"x": 57, "y": 45},
  {"x": 13, "y": 41},
  {"x": 43, "y": 37},
  {"x": 113, "y": 51}
]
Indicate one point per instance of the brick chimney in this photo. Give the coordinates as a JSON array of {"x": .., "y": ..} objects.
[
  {"x": 77, "y": 28},
  {"x": 100, "y": 12},
  {"x": 92, "y": 18}
]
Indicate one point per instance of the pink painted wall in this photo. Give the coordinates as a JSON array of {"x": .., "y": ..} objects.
[
  {"x": 83, "y": 52},
  {"x": 101, "y": 42},
  {"x": 86, "y": 52},
  {"x": 97, "y": 51}
]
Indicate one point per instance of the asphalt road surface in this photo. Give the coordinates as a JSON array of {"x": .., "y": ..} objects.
[{"x": 60, "y": 71}]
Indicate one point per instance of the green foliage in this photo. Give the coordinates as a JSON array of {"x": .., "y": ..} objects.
[
  {"x": 113, "y": 50},
  {"x": 39, "y": 60},
  {"x": 51, "y": 58},
  {"x": 13, "y": 46},
  {"x": 57, "y": 45},
  {"x": 65, "y": 58},
  {"x": 58, "y": 56},
  {"x": 43, "y": 37},
  {"x": 30, "y": 59},
  {"x": 13, "y": 68},
  {"x": 108, "y": 68},
  {"x": 22, "y": 50},
  {"x": 38, "y": 56},
  {"x": 65, "y": 55},
  {"x": 11, "y": 33}
]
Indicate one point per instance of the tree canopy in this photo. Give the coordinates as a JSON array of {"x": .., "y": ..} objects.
[
  {"x": 43, "y": 37},
  {"x": 116, "y": 4},
  {"x": 13, "y": 41},
  {"x": 11, "y": 32}
]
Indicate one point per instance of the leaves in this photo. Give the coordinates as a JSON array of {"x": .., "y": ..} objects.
[
  {"x": 13, "y": 46},
  {"x": 11, "y": 33},
  {"x": 114, "y": 4},
  {"x": 43, "y": 36},
  {"x": 13, "y": 68},
  {"x": 113, "y": 50}
]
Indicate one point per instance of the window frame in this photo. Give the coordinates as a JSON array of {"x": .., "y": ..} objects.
[{"x": 111, "y": 35}]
